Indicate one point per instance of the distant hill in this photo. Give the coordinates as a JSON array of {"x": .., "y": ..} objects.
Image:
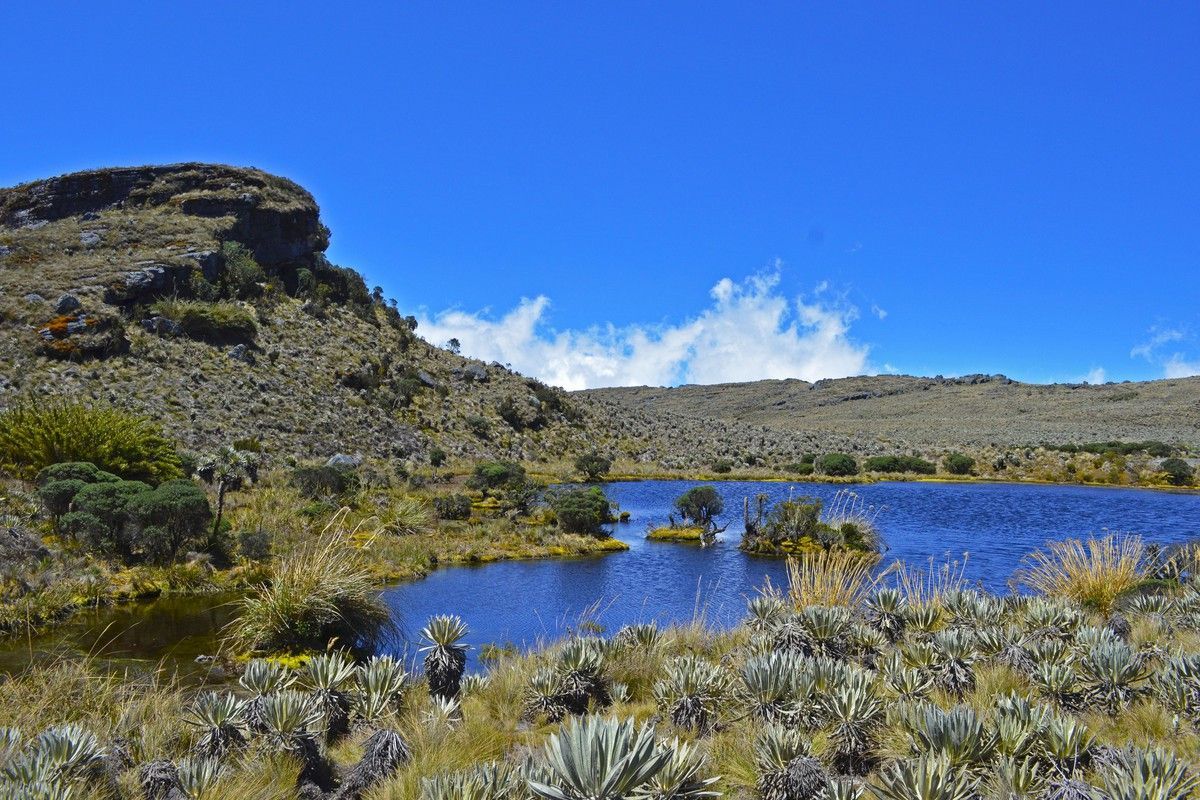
[{"x": 971, "y": 411}]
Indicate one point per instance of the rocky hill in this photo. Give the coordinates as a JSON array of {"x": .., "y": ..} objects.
[{"x": 200, "y": 294}]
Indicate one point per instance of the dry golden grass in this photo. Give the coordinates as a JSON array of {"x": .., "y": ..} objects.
[
  {"x": 1095, "y": 573},
  {"x": 832, "y": 578}
]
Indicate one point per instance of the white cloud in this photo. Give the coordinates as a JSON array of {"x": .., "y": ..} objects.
[
  {"x": 1174, "y": 364},
  {"x": 749, "y": 332},
  {"x": 1096, "y": 375},
  {"x": 1158, "y": 337},
  {"x": 879, "y": 312},
  {"x": 1177, "y": 367}
]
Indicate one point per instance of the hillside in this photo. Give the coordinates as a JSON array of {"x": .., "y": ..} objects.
[
  {"x": 971, "y": 411},
  {"x": 129, "y": 286}
]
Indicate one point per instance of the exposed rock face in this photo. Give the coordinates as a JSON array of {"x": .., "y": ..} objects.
[{"x": 275, "y": 218}]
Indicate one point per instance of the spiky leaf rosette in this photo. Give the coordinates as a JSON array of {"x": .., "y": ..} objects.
[
  {"x": 324, "y": 676},
  {"x": 580, "y": 668},
  {"x": 681, "y": 778},
  {"x": 220, "y": 721},
  {"x": 488, "y": 781},
  {"x": 543, "y": 696},
  {"x": 445, "y": 657},
  {"x": 594, "y": 758},
  {"x": 1113, "y": 675},
  {"x": 854, "y": 715},
  {"x": 956, "y": 735},
  {"x": 786, "y": 770},
  {"x": 381, "y": 684},
  {"x": 956, "y": 657},
  {"x": 692, "y": 692},
  {"x": 1150, "y": 775},
  {"x": 924, "y": 778},
  {"x": 886, "y": 613}
]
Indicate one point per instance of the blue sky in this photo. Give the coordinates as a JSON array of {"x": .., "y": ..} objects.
[{"x": 655, "y": 193}]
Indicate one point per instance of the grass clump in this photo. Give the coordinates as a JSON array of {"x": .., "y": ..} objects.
[
  {"x": 831, "y": 577},
  {"x": 320, "y": 593},
  {"x": 34, "y": 436},
  {"x": 220, "y": 323},
  {"x": 1095, "y": 573},
  {"x": 679, "y": 533}
]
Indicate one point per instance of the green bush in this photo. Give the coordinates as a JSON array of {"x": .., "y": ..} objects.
[
  {"x": 700, "y": 505},
  {"x": 491, "y": 475},
  {"x": 958, "y": 464},
  {"x": 173, "y": 516},
  {"x": 899, "y": 464},
  {"x": 722, "y": 466},
  {"x": 581, "y": 510},
  {"x": 323, "y": 482},
  {"x": 803, "y": 468},
  {"x": 479, "y": 426},
  {"x": 101, "y": 520},
  {"x": 1178, "y": 472},
  {"x": 36, "y": 436},
  {"x": 593, "y": 466},
  {"x": 254, "y": 546},
  {"x": 437, "y": 457},
  {"x": 452, "y": 506},
  {"x": 240, "y": 274},
  {"x": 837, "y": 464},
  {"x": 219, "y": 323}
]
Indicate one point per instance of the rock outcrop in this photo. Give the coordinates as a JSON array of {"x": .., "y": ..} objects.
[{"x": 273, "y": 217}]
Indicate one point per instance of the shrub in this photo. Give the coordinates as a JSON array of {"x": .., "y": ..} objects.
[
  {"x": 837, "y": 464},
  {"x": 219, "y": 323},
  {"x": 899, "y": 464},
  {"x": 700, "y": 505},
  {"x": 802, "y": 468},
  {"x": 36, "y": 436},
  {"x": 319, "y": 483},
  {"x": 479, "y": 426},
  {"x": 100, "y": 517},
  {"x": 254, "y": 545},
  {"x": 318, "y": 594},
  {"x": 593, "y": 466},
  {"x": 437, "y": 457},
  {"x": 490, "y": 475},
  {"x": 958, "y": 464},
  {"x": 581, "y": 510},
  {"x": 173, "y": 516},
  {"x": 1178, "y": 472},
  {"x": 452, "y": 506},
  {"x": 241, "y": 274},
  {"x": 722, "y": 466}
]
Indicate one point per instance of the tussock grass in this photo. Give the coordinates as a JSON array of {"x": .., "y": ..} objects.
[
  {"x": 34, "y": 435},
  {"x": 319, "y": 593},
  {"x": 923, "y": 587},
  {"x": 1095, "y": 573},
  {"x": 831, "y": 578}
]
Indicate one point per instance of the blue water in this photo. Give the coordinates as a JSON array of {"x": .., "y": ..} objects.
[{"x": 993, "y": 525}]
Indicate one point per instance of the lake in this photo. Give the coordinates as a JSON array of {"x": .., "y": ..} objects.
[
  {"x": 522, "y": 602},
  {"x": 993, "y": 525}
]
